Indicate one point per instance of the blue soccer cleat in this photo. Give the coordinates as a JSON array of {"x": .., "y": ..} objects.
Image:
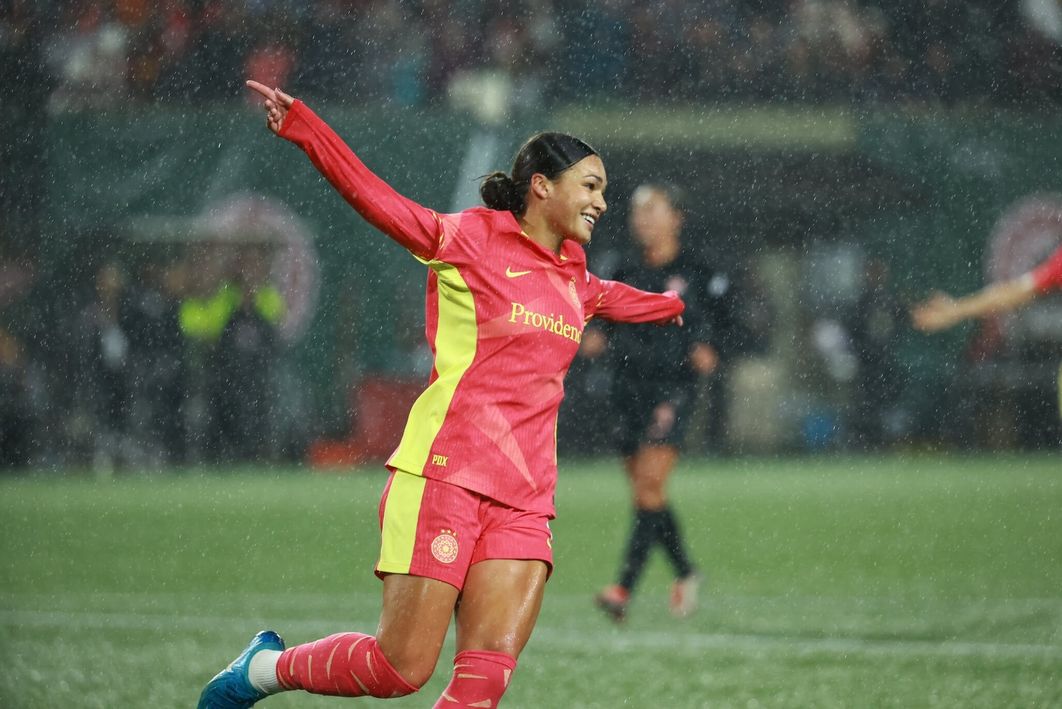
[{"x": 230, "y": 688}]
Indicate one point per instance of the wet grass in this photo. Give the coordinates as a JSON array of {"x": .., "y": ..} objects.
[{"x": 839, "y": 582}]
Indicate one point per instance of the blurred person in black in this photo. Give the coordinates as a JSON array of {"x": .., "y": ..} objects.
[
  {"x": 875, "y": 329},
  {"x": 103, "y": 384},
  {"x": 151, "y": 318},
  {"x": 245, "y": 358},
  {"x": 32, "y": 421},
  {"x": 15, "y": 280},
  {"x": 230, "y": 317},
  {"x": 15, "y": 408},
  {"x": 655, "y": 386}
]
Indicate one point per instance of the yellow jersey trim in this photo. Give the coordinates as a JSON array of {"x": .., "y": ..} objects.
[
  {"x": 456, "y": 335},
  {"x": 399, "y": 529}
]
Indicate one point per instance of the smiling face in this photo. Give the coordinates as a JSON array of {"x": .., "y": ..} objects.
[{"x": 576, "y": 200}]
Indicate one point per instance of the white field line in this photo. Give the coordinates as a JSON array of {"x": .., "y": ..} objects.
[
  {"x": 611, "y": 640},
  {"x": 343, "y": 600}
]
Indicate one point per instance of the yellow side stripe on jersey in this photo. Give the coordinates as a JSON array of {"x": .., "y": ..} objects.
[
  {"x": 455, "y": 348},
  {"x": 401, "y": 512}
]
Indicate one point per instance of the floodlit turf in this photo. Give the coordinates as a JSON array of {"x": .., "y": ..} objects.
[{"x": 907, "y": 582}]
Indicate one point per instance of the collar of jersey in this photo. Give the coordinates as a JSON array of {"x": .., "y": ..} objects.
[{"x": 568, "y": 247}]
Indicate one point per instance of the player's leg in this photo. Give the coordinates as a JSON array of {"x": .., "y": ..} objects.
[
  {"x": 496, "y": 614},
  {"x": 401, "y": 658},
  {"x": 397, "y": 661},
  {"x": 423, "y": 566},
  {"x": 499, "y": 604},
  {"x": 422, "y": 579},
  {"x": 649, "y": 471},
  {"x": 347, "y": 664},
  {"x": 632, "y": 423},
  {"x": 666, "y": 435},
  {"x": 646, "y": 494},
  {"x": 653, "y": 469}
]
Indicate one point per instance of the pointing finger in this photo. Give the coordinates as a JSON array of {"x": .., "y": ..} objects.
[
  {"x": 264, "y": 90},
  {"x": 283, "y": 99}
]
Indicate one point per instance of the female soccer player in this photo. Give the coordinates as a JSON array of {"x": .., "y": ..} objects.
[
  {"x": 464, "y": 516},
  {"x": 654, "y": 389}
]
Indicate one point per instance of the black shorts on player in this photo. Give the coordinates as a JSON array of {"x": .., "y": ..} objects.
[{"x": 650, "y": 413}]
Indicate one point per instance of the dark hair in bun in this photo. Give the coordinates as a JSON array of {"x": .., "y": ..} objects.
[
  {"x": 499, "y": 192},
  {"x": 547, "y": 153}
]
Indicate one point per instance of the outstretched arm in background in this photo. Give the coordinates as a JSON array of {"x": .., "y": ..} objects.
[{"x": 942, "y": 311}]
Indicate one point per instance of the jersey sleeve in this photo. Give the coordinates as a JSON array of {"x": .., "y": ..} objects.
[
  {"x": 1048, "y": 275},
  {"x": 416, "y": 228},
  {"x": 619, "y": 302}
]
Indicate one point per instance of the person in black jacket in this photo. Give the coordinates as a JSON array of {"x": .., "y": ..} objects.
[{"x": 654, "y": 388}]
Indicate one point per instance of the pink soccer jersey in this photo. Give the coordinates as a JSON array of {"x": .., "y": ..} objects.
[
  {"x": 1048, "y": 275},
  {"x": 504, "y": 317}
]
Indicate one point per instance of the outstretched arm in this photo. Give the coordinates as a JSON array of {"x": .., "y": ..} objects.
[
  {"x": 416, "y": 228},
  {"x": 620, "y": 302},
  {"x": 942, "y": 311}
]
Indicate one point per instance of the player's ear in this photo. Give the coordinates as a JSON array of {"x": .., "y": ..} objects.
[{"x": 540, "y": 185}]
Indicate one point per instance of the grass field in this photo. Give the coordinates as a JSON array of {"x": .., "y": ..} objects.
[{"x": 904, "y": 582}]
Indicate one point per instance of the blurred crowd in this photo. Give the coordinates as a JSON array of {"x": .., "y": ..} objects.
[
  {"x": 156, "y": 359},
  {"x": 414, "y": 52},
  {"x": 151, "y": 362}
]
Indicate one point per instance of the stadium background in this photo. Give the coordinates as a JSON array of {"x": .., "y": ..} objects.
[
  {"x": 861, "y": 134},
  {"x": 820, "y": 141}
]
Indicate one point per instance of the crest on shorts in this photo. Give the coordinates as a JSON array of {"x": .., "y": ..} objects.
[{"x": 444, "y": 546}]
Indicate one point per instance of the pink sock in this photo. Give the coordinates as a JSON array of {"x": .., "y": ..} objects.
[
  {"x": 480, "y": 679},
  {"x": 343, "y": 665}
]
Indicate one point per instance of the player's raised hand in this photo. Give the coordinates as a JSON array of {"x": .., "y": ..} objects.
[
  {"x": 937, "y": 313},
  {"x": 276, "y": 104}
]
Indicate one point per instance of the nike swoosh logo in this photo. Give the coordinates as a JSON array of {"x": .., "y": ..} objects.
[{"x": 515, "y": 274}]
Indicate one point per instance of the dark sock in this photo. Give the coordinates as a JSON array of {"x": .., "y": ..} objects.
[
  {"x": 643, "y": 535},
  {"x": 670, "y": 537}
]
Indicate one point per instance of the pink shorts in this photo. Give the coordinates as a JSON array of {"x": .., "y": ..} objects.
[{"x": 434, "y": 529}]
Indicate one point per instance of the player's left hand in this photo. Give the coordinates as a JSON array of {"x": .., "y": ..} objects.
[
  {"x": 677, "y": 320},
  {"x": 277, "y": 104}
]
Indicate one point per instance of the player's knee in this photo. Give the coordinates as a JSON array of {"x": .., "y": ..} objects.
[
  {"x": 416, "y": 669},
  {"x": 417, "y": 677},
  {"x": 649, "y": 498},
  {"x": 399, "y": 691}
]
